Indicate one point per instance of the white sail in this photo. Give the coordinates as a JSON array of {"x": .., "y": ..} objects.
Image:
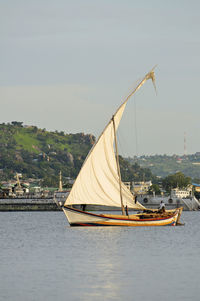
[{"x": 98, "y": 180}]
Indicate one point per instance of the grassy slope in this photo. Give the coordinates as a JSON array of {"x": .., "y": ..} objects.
[
  {"x": 37, "y": 152},
  {"x": 26, "y": 141}
]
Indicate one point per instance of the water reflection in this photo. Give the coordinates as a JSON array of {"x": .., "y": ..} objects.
[{"x": 98, "y": 264}]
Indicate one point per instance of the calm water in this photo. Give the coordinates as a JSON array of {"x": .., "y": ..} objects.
[{"x": 42, "y": 258}]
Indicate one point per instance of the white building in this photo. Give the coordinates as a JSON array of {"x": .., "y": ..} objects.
[
  {"x": 181, "y": 193},
  {"x": 141, "y": 187}
]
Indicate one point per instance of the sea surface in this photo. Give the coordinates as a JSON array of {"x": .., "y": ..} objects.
[{"x": 43, "y": 259}]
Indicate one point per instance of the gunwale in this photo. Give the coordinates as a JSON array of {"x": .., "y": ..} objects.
[{"x": 124, "y": 218}]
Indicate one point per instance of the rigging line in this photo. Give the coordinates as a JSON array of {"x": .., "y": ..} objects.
[
  {"x": 121, "y": 142},
  {"x": 135, "y": 123}
]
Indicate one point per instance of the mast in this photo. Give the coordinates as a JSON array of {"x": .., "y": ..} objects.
[
  {"x": 91, "y": 186},
  {"x": 118, "y": 167}
]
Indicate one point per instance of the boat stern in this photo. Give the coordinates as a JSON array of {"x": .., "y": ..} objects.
[{"x": 178, "y": 223}]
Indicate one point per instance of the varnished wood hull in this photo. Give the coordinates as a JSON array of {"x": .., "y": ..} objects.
[{"x": 81, "y": 218}]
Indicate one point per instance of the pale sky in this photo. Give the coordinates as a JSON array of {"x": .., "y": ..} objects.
[{"x": 67, "y": 66}]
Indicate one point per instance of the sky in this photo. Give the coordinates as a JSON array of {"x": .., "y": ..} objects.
[{"x": 68, "y": 65}]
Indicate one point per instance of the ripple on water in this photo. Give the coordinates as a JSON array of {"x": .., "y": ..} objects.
[{"x": 43, "y": 258}]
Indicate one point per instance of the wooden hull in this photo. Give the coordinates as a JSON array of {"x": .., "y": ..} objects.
[{"x": 81, "y": 218}]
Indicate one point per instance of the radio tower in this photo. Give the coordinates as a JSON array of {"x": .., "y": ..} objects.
[{"x": 185, "y": 150}]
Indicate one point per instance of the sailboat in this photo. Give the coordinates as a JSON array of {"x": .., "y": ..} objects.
[{"x": 99, "y": 183}]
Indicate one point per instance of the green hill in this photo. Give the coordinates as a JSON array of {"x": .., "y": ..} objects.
[
  {"x": 37, "y": 153},
  {"x": 164, "y": 165}
]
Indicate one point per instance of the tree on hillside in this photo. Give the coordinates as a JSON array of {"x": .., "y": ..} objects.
[
  {"x": 176, "y": 180},
  {"x": 17, "y": 123},
  {"x": 154, "y": 188},
  {"x": 134, "y": 172},
  {"x": 49, "y": 181}
]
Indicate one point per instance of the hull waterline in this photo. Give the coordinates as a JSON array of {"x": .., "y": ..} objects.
[{"x": 77, "y": 217}]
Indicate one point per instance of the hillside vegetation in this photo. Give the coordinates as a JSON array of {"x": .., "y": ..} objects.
[
  {"x": 37, "y": 153},
  {"x": 163, "y": 165}
]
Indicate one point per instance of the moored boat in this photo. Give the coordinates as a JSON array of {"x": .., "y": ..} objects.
[{"x": 177, "y": 198}]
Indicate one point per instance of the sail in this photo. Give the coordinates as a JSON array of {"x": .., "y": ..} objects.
[{"x": 98, "y": 180}]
